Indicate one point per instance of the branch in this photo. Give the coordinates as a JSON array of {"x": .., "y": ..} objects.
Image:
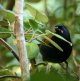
[
  {"x": 9, "y": 48},
  {"x": 21, "y": 44},
  {"x": 9, "y": 76},
  {"x": 65, "y": 9},
  {"x": 46, "y": 10}
]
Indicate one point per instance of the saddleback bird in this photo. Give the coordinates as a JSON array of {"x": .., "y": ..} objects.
[{"x": 51, "y": 53}]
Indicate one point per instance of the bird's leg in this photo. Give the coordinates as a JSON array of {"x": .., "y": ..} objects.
[
  {"x": 48, "y": 68},
  {"x": 47, "y": 65},
  {"x": 66, "y": 64},
  {"x": 64, "y": 67},
  {"x": 61, "y": 64},
  {"x": 44, "y": 64}
]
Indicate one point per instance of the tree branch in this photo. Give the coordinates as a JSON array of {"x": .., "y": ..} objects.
[
  {"x": 5, "y": 44},
  {"x": 21, "y": 44},
  {"x": 65, "y": 9},
  {"x": 9, "y": 76}
]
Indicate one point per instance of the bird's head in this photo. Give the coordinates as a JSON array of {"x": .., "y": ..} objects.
[{"x": 62, "y": 31}]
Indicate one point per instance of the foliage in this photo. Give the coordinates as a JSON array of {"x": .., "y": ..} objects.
[{"x": 40, "y": 17}]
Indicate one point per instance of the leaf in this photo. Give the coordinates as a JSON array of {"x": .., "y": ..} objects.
[
  {"x": 53, "y": 43},
  {"x": 4, "y": 33},
  {"x": 8, "y": 15},
  {"x": 5, "y": 72},
  {"x": 4, "y": 23},
  {"x": 40, "y": 75},
  {"x": 36, "y": 14},
  {"x": 27, "y": 25},
  {"x": 33, "y": 24},
  {"x": 32, "y": 49},
  {"x": 60, "y": 37}
]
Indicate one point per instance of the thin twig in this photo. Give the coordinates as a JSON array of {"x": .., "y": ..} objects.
[
  {"x": 9, "y": 76},
  {"x": 5, "y": 44}
]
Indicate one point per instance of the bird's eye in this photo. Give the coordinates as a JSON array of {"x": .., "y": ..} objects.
[{"x": 59, "y": 30}]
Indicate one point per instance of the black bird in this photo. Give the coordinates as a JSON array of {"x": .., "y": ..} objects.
[{"x": 52, "y": 54}]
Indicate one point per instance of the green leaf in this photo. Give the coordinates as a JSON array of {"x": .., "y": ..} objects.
[
  {"x": 36, "y": 14},
  {"x": 4, "y": 33},
  {"x": 27, "y": 25},
  {"x": 8, "y": 15},
  {"x": 4, "y": 23},
  {"x": 32, "y": 50},
  {"x": 41, "y": 75},
  {"x": 53, "y": 43},
  {"x": 60, "y": 37},
  {"x": 33, "y": 24},
  {"x": 5, "y": 72}
]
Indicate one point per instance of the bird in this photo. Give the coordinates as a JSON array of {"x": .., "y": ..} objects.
[{"x": 52, "y": 54}]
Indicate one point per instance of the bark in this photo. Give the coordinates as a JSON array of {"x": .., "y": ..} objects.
[{"x": 21, "y": 45}]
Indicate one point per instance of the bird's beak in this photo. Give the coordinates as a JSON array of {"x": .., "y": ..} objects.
[{"x": 57, "y": 29}]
